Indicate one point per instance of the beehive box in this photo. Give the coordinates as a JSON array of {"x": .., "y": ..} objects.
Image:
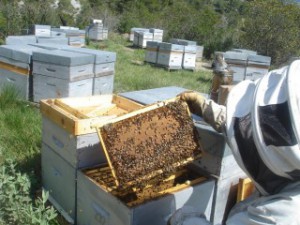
[
  {"x": 237, "y": 62},
  {"x": 170, "y": 55},
  {"x": 103, "y": 85},
  {"x": 151, "y": 51},
  {"x": 69, "y": 142},
  {"x": 15, "y": 64},
  {"x": 144, "y": 37},
  {"x": 146, "y": 151},
  {"x": 67, "y": 124},
  {"x": 257, "y": 66},
  {"x": 189, "y": 57}
]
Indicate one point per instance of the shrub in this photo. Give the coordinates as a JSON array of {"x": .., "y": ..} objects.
[{"x": 16, "y": 205}]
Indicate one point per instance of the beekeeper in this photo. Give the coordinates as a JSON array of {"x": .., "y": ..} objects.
[
  {"x": 222, "y": 74},
  {"x": 262, "y": 124}
]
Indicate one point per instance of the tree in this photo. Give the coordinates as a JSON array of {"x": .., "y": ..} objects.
[{"x": 271, "y": 27}]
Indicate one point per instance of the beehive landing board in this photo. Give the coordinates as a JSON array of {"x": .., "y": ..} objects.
[{"x": 156, "y": 140}]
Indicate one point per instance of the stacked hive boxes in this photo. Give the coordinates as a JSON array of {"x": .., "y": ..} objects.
[
  {"x": 69, "y": 142},
  {"x": 151, "y": 52},
  {"x": 104, "y": 69},
  {"x": 15, "y": 68},
  {"x": 97, "y": 32},
  {"x": 170, "y": 55},
  {"x": 246, "y": 64},
  {"x": 238, "y": 63},
  {"x": 60, "y": 73},
  {"x": 143, "y": 38},
  {"x": 140, "y": 36},
  {"x": 135, "y": 29},
  {"x": 157, "y": 34},
  {"x": 75, "y": 37},
  {"x": 199, "y": 53},
  {"x": 257, "y": 66},
  {"x": 189, "y": 55}
]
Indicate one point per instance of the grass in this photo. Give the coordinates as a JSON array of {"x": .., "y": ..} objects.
[{"x": 20, "y": 121}]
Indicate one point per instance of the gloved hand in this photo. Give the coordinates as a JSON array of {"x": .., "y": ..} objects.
[{"x": 194, "y": 101}]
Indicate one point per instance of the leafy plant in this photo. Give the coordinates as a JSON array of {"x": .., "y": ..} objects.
[{"x": 16, "y": 205}]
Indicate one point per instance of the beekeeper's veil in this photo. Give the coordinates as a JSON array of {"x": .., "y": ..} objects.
[{"x": 263, "y": 127}]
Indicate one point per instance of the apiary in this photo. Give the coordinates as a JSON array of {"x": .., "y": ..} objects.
[
  {"x": 146, "y": 179},
  {"x": 151, "y": 51},
  {"x": 257, "y": 66},
  {"x": 170, "y": 55},
  {"x": 189, "y": 57},
  {"x": 59, "y": 73},
  {"x": 70, "y": 141},
  {"x": 237, "y": 62}
]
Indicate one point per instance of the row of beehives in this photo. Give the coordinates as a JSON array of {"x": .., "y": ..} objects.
[
  {"x": 140, "y": 36},
  {"x": 40, "y": 71},
  {"x": 173, "y": 56},
  {"x": 246, "y": 64},
  {"x": 69, "y": 144},
  {"x": 46, "y": 34}
]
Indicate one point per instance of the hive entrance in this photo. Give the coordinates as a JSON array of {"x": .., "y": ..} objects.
[{"x": 150, "y": 143}]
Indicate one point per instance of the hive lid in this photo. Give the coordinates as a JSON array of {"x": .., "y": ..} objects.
[
  {"x": 60, "y": 57},
  {"x": 21, "y": 53},
  {"x": 99, "y": 56},
  {"x": 148, "y": 142}
]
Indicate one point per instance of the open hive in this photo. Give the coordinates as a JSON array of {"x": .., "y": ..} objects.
[{"x": 146, "y": 150}]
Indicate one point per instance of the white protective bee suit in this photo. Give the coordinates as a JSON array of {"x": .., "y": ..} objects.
[{"x": 262, "y": 124}]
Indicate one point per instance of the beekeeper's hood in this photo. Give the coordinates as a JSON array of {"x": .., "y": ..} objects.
[{"x": 263, "y": 127}]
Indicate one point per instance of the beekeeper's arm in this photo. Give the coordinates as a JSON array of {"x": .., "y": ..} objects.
[{"x": 212, "y": 113}]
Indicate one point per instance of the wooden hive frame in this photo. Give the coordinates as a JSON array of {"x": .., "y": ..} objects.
[
  {"x": 146, "y": 138},
  {"x": 132, "y": 196},
  {"x": 77, "y": 115}
]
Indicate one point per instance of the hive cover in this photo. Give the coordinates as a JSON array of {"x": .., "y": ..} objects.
[{"x": 150, "y": 141}]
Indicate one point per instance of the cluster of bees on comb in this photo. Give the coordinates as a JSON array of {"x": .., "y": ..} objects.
[{"x": 151, "y": 145}]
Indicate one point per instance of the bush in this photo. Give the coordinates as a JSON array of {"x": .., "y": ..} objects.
[{"x": 16, "y": 205}]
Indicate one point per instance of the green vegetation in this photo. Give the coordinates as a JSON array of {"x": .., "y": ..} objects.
[
  {"x": 269, "y": 27},
  {"x": 16, "y": 204},
  {"x": 20, "y": 137}
]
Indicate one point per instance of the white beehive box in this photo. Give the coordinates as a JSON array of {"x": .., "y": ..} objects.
[
  {"x": 170, "y": 55},
  {"x": 41, "y": 30},
  {"x": 257, "y": 66},
  {"x": 15, "y": 66},
  {"x": 103, "y": 85},
  {"x": 237, "y": 62},
  {"x": 144, "y": 38},
  {"x": 69, "y": 142},
  {"x": 45, "y": 87},
  {"x": 189, "y": 57},
  {"x": 99, "y": 199},
  {"x": 59, "y": 73},
  {"x": 151, "y": 51}
]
